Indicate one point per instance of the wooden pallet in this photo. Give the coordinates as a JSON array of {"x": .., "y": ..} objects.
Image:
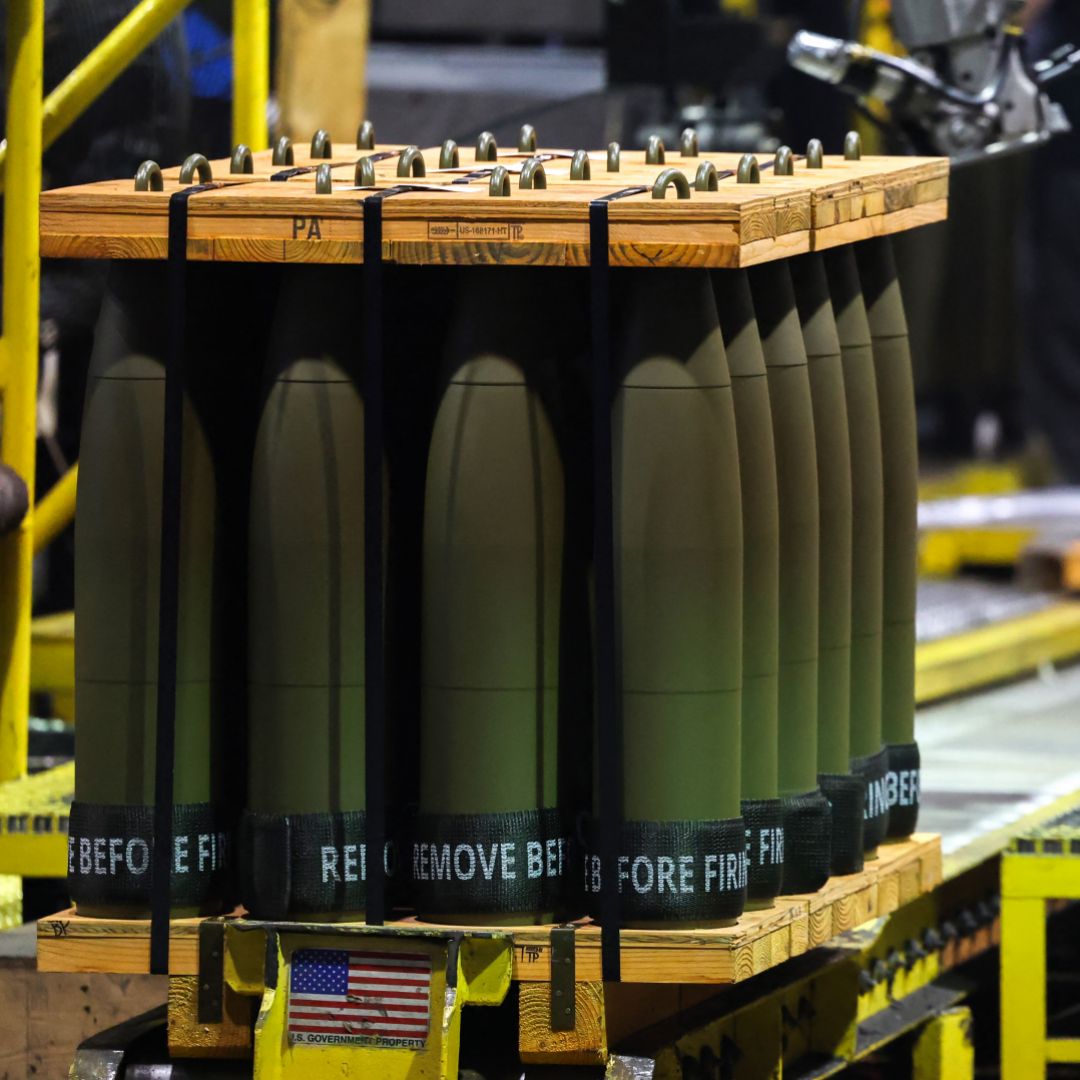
[
  {"x": 255, "y": 219},
  {"x": 759, "y": 941}
]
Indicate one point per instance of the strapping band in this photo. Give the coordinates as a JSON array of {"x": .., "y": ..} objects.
[
  {"x": 903, "y": 783},
  {"x": 607, "y": 690},
  {"x": 847, "y": 798},
  {"x": 807, "y": 842},
  {"x": 489, "y": 864},
  {"x": 169, "y": 582},
  {"x": 873, "y": 771},
  {"x": 112, "y": 859},
  {"x": 764, "y": 822}
]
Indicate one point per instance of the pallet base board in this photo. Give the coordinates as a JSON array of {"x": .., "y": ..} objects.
[{"x": 759, "y": 941}]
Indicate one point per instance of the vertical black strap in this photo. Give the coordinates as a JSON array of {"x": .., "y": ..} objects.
[
  {"x": 608, "y": 683},
  {"x": 374, "y": 621},
  {"x": 169, "y": 586}
]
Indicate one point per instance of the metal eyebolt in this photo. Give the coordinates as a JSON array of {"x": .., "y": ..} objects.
[
  {"x": 968, "y": 923},
  {"x": 283, "y": 151},
  {"x": 486, "y": 147},
  {"x": 866, "y": 982},
  {"x": 241, "y": 160},
  {"x": 932, "y": 940},
  {"x": 852, "y": 146},
  {"x": 995, "y": 905},
  {"x": 449, "y": 158},
  {"x": 364, "y": 175},
  {"x": 815, "y": 154},
  {"x": 499, "y": 184},
  {"x": 688, "y": 143},
  {"x": 614, "y": 153},
  {"x": 949, "y": 931},
  {"x": 784, "y": 164},
  {"x": 580, "y": 169},
  {"x": 914, "y": 951},
  {"x": 411, "y": 162},
  {"x": 654, "y": 151},
  {"x": 669, "y": 178},
  {"x": 533, "y": 175},
  {"x": 527, "y": 139},
  {"x": 879, "y": 971},
  {"x": 196, "y": 163},
  {"x": 749, "y": 171},
  {"x": 320, "y": 144},
  {"x": 324, "y": 179},
  {"x": 148, "y": 177},
  {"x": 365, "y": 136},
  {"x": 896, "y": 961},
  {"x": 984, "y": 913},
  {"x": 705, "y": 179}
]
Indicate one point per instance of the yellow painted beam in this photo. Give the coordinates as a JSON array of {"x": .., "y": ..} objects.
[
  {"x": 1034, "y": 877},
  {"x": 18, "y": 370},
  {"x": 1063, "y": 1051},
  {"x": 942, "y": 552},
  {"x": 995, "y": 653},
  {"x": 1023, "y": 988},
  {"x": 251, "y": 72},
  {"x": 56, "y": 510},
  {"x": 87, "y": 81},
  {"x": 944, "y": 1049}
]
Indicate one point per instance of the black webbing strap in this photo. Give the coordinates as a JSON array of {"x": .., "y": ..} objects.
[
  {"x": 476, "y": 174},
  {"x": 374, "y": 623},
  {"x": 301, "y": 170},
  {"x": 608, "y": 695},
  {"x": 169, "y": 586}
]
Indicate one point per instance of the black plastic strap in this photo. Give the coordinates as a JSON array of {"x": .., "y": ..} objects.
[
  {"x": 490, "y": 864},
  {"x": 476, "y": 174},
  {"x": 169, "y": 586},
  {"x": 764, "y": 822},
  {"x": 675, "y": 871},
  {"x": 374, "y": 621},
  {"x": 902, "y": 784},
  {"x": 807, "y": 836},
  {"x": 109, "y": 855},
  {"x": 873, "y": 770},
  {"x": 847, "y": 798},
  {"x": 608, "y": 695}
]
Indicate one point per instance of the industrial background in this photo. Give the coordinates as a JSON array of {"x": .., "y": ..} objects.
[{"x": 540, "y": 539}]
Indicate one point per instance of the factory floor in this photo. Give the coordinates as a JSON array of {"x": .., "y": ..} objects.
[{"x": 991, "y": 758}]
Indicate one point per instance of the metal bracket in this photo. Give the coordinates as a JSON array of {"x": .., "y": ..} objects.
[
  {"x": 563, "y": 977},
  {"x": 211, "y": 971}
]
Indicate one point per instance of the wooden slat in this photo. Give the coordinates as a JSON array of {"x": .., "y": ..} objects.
[
  {"x": 758, "y": 941},
  {"x": 446, "y": 221}
]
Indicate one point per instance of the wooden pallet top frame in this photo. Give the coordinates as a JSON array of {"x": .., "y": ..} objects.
[
  {"x": 252, "y": 218},
  {"x": 759, "y": 941}
]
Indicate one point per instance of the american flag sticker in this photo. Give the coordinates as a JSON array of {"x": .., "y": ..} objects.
[{"x": 361, "y": 996}]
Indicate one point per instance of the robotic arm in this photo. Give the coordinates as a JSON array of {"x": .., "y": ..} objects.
[{"x": 966, "y": 89}]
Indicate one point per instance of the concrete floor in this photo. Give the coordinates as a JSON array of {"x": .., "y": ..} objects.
[{"x": 991, "y": 758}]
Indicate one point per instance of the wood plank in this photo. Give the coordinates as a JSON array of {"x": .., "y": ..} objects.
[
  {"x": 448, "y": 218},
  {"x": 758, "y": 941}
]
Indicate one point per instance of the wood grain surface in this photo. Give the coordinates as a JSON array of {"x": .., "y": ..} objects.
[
  {"x": 448, "y": 216},
  {"x": 758, "y": 941}
]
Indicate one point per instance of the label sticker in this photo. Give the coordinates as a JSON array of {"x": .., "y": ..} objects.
[
  {"x": 475, "y": 230},
  {"x": 359, "y": 996}
]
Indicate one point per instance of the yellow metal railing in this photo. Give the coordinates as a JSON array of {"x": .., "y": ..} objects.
[
  {"x": 33, "y": 124},
  {"x": 18, "y": 363},
  {"x": 55, "y": 511}
]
